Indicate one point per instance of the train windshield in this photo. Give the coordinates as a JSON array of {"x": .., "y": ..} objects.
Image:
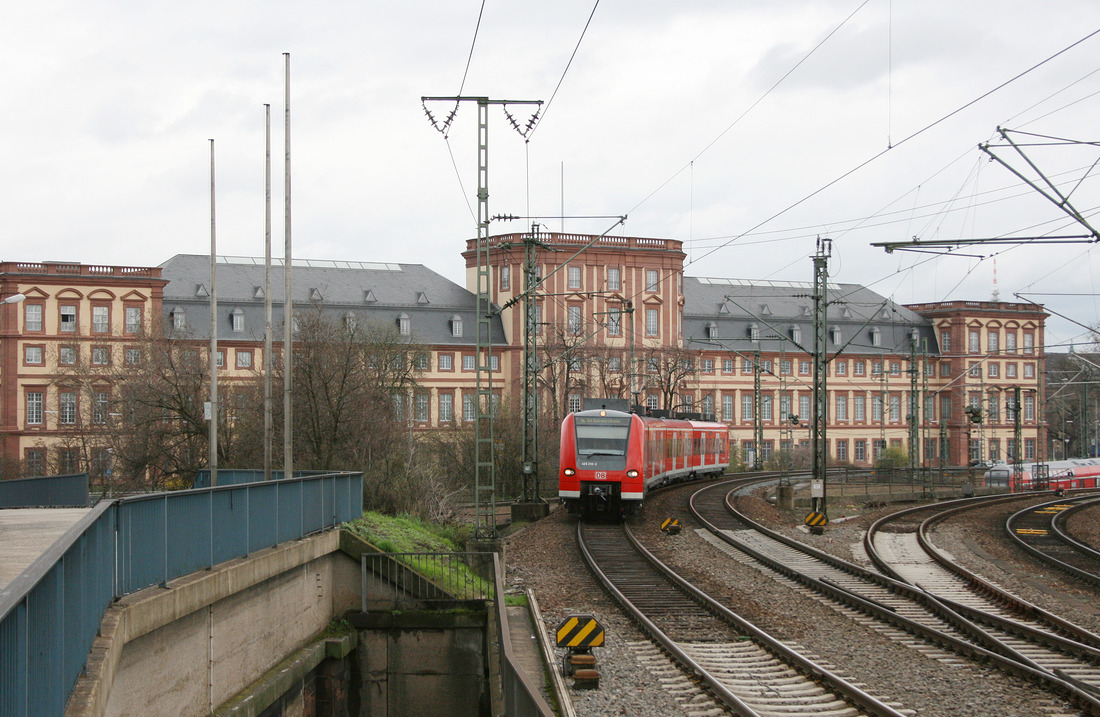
[{"x": 602, "y": 435}]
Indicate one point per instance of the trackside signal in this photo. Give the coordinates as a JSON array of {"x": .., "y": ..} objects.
[
  {"x": 817, "y": 520},
  {"x": 580, "y": 631}
]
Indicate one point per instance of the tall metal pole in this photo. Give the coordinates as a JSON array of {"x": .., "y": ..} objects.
[
  {"x": 1017, "y": 429},
  {"x": 757, "y": 413},
  {"x": 213, "y": 426},
  {"x": 914, "y": 414},
  {"x": 485, "y": 462},
  {"x": 288, "y": 301},
  {"x": 485, "y": 527},
  {"x": 818, "y": 422},
  {"x": 530, "y": 491},
  {"x": 269, "y": 437}
]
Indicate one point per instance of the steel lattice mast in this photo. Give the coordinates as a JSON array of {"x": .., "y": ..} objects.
[
  {"x": 818, "y": 421},
  {"x": 530, "y": 479},
  {"x": 485, "y": 527}
]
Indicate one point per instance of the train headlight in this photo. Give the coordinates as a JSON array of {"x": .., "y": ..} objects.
[
  {"x": 632, "y": 473},
  {"x": 569, "y": 472}
]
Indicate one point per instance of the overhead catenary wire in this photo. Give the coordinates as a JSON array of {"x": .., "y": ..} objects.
[
  {"x": 750, "y": 108},
  {"x": 561, "y": 79},
  {"x": 905, "y": 140}
]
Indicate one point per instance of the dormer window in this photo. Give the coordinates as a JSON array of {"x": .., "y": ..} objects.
[
  {"x": 349, "y": 321},
  {"x": 796, "y": 333},
  {"x": 876, "y": 336},
  {"x": 179, "y": 318},
  {"x": 754, "y": 332},
  {"x": 237, "y": 317},
  {"x": 404, "y": 324},
  {"x": 836, "y": 335},
  {"x": 456, "y": 325},
  {"x": 712, "y": 330}
]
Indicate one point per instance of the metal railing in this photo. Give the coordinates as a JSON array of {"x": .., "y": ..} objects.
[
  {"x": 49, "y": 615},
  {"x": 68, "y": 491},
  {"x": 394, "y": 581},
  {"x": 522, "y": 694},
  {"x": 882, "y": 484}
]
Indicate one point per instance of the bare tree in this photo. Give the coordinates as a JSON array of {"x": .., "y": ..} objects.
[
  {"x": 611, "y": 376},
  {"x": 667, "y": 371},
  {"x": 562, "y": 366},
  {"x": 354, "y": 387}
]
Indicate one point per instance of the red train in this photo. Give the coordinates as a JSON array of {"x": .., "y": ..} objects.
[
  {"x": 611, "y": 459},
  {"x": 1053, "y": 475}
]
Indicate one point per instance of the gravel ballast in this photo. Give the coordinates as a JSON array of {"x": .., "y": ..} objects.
[{"x": 544, "y": 557}]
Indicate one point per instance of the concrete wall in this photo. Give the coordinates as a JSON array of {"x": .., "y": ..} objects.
[
  {"x": 426, "y": 664},
  {"x": 189, "y": 648}
]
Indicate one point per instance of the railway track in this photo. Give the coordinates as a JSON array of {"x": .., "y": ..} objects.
[
  {"x": 1046, "y": 640},
  {"x": 745, "y": 670},
  {"x": 916, "y": 614},
  {"x": 1040, "y": 531}
]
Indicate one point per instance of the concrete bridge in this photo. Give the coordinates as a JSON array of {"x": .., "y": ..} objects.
[{"x": 247, "y": 635}]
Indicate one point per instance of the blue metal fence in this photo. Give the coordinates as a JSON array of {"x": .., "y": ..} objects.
[
  {"x": 51, "y": 491},
  {"x": 50, "y": 614}
]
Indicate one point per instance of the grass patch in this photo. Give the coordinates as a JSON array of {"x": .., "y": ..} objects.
[
  {"x": 337, "y": 628},
  {"x": 409, "y": 534},
  {"x": 516, "y": 600}
]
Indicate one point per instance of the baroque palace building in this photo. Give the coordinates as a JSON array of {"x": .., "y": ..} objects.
[{"x": 615, "y": 316}]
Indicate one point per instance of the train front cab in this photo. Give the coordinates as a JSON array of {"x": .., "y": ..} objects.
[{"x": 600, "y": 467}]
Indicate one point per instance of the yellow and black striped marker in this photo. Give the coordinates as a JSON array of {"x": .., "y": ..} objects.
[
  {"x": 1030, "y": 531},
  {"x": 671, "y": 526},
  {"x": 816, "y": 519},
  {"x": 580, "y": 631}
]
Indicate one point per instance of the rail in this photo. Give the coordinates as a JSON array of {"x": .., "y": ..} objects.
[{"x": 50, "y": 614}]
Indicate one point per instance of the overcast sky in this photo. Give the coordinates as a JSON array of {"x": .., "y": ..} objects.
[{"x": 745, "y": 129}]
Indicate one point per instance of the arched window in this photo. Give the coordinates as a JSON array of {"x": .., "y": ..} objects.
[{"x": 404, "y": 324}]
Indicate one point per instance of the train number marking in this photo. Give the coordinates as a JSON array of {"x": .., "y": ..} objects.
[{"x": 600, "y": 475}]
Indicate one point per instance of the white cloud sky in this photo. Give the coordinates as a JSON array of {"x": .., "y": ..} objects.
[{"x": 109, "y": 106}]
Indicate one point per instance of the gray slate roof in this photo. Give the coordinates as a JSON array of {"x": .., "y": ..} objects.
[
  {"x": 369, "y": 291},
  {"x": 732, "y": 306}
]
